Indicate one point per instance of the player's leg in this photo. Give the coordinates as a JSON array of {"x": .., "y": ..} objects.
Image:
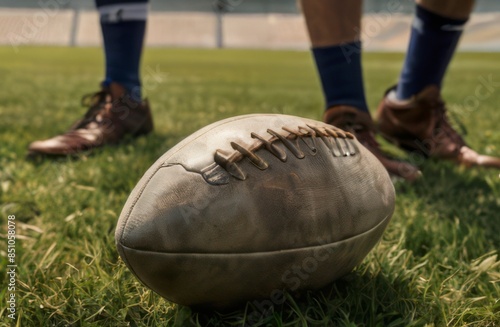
[
  {"x": 334, "y": 30},
  {"x": 123, "y": 25},
  {"x": 435, "y": 33},
  {"x": 412, "y": 114},
  {"x": 117, "y": 110}
]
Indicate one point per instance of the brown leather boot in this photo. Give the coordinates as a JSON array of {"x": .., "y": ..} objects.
[
  {"x": 361, "y": 125},
  {"x": 421, "y": 124},
  {"x": 112, "y": 116}
]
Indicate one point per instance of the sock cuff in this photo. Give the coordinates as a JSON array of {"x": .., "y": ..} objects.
[
  {"x": 121, "y": 12},
  {"x": 424, "y": 17}
]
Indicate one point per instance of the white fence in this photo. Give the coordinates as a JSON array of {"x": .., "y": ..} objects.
[{"x": 383, "y": 31}]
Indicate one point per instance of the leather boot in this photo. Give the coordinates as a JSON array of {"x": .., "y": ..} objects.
[
  {"x": 361, "y": 125},
  {"x": 421, "y": 124},
  {"x": 112, "y": 115}
]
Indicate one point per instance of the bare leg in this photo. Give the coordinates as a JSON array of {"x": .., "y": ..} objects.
[
  {"x": 449, "y": 8},
  {"x": 332, "y": 22},
  {"x": 334, "y": 30}
]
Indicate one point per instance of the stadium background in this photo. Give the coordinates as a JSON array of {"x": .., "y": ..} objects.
[{"x": 245, "y": 24}]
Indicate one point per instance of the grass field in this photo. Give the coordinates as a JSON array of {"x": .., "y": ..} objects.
[{"x": 437, "y": 264}]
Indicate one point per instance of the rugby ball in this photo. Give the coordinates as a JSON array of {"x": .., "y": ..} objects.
[{"x": 251, "y": 206}]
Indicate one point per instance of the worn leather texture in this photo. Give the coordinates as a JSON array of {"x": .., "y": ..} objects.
[
  {"x": 421, "y": 125},
  {"x": 107, "y": 121},
  {"x": 225, "y": 215}
]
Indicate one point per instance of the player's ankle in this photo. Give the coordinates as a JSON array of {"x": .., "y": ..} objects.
[{"x": 117, "y": 90}]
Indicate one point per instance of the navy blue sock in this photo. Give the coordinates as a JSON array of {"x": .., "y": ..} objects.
[
  {"x": 433, "y": 41},
  {"x": 123, "y": 25},
  {"x": 339, "y": 68}
]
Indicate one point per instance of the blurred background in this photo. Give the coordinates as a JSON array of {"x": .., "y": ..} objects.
[{"x": 226, "y": 23}]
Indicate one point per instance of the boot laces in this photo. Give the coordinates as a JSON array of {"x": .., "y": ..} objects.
[
  {"x": 96, "y": 103},
  {"x": 444, "y": 128}
]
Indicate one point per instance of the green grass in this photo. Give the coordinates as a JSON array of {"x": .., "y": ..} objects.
[{"x": 436, "y": 266}]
